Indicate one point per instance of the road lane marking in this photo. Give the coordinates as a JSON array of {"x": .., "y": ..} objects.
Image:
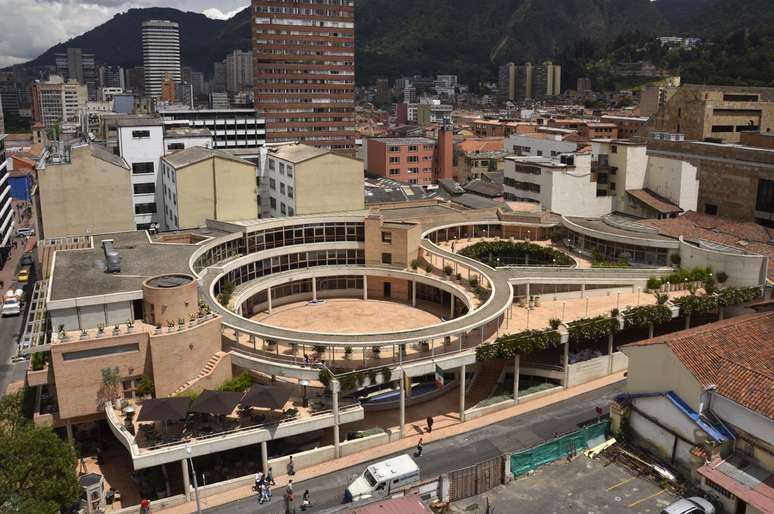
[
  {"x": 619, "y": 484},
  {"x": 647, "y": 498}
]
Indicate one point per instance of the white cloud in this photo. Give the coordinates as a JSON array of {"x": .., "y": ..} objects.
[{"x": 30, "y": 27}]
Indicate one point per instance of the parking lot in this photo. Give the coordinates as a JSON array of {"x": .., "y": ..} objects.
[{"x": 582, "y": 486}]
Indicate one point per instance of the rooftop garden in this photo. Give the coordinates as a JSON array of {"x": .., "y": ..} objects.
[{"x": 506, "y": 253}]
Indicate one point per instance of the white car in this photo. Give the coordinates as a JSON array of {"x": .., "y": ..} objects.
[
  {"x": 11, "y": 306},
  {"x": 25, "y": 231},
  {"x": 384, "y": 478},
  {"x": 692, "y": 505}
]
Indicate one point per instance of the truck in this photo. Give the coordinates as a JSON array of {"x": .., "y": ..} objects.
[
  {"x": 12, "y": 302},
  {"x": 384, "y": 478}
]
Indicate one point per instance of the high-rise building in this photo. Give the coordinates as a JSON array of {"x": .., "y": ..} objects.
[
  {"x": 78, "y": 66},
  {"x": 535, "y": 81},
  {"x": 218, "y": 77},
  {"x": 161, "y": 54},
  {"x": 197, "y": 81},
  {"x": 305, "y": 71},
  {"x": 6, "y": 210},
  {"x": 239, "y": 71},
  {"x": 112, "y": 77},
  {"x": 135, "y": 80},
  {"x": 507, "y": 82},
  {"x": 57, "y": 102}
]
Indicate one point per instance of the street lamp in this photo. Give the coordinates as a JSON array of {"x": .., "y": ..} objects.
[
  {"x": 196, "y": 484},
  {"x": 304, "y": 382}
]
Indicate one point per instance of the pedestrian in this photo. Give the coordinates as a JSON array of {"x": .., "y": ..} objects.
[
  {"x": 289, "y": 488},
  {"x": 258, "y": 481},
  {"x": 264, "y": 493},
  {"x": 419, "y": 448},
  {"x": 306, "y": 361},
  {"x": 305, "y": 504},
  {"x": 145, "y": 507},
  {"x": 268, "y": 489},
  {"x": 270, "y": 477},
  {"x": 429, "y": 424},
  {"x": 291, "y": 467}
]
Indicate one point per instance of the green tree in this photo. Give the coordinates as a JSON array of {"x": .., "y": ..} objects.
[{"x": 37, "y": 469}]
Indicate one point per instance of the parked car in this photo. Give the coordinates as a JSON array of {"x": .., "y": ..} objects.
[
  {"x": 692, "y": 505},
  {"x": 26, "y": 259},
  {"x": 23, "y": 276},
  {"x": 12, "y": 302},
  {"x": 25, "y": 231}
]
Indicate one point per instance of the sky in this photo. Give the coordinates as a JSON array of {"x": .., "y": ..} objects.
[{"x": 30, "y": 27}]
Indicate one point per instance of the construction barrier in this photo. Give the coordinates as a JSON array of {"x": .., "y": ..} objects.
[{"x": 568, "y": 444}]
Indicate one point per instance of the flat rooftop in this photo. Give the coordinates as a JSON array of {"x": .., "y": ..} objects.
[
  {"x": 422, "y": 211},
  {"x": 400, "y": 141},
  {"x": 296, "y": 152},
  {"x": 637, "y": 231},
  {"x": 81, "y": 273}
]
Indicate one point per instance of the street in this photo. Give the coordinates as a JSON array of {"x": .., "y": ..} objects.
[
  {"x": 452, "y": 453},
  {"x": 9, "y": 335}
]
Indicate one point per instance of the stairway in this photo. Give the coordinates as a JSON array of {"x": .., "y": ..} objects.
[
  {"x": 486, "y": 381},
  {"x": 205, "y": 371}
]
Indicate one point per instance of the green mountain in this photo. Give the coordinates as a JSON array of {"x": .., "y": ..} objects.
[{"x": 469, "y": 38}]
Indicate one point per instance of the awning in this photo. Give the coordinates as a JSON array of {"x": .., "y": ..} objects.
[
  {"x": 163, "y": 409},
  {"x": 654, "y": 201},
  {"x": 218, "y": 403},
  {"x": 267, "y": 397},
  {"x": 745, "y": 480}
]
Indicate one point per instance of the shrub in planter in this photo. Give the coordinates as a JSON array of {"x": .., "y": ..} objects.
[
  {"x": 146, "y": 386},
  {"x": 320, "y": 349},
  {"x": 614, "y": 313},
  {"x": 458, "y": 277},
  {"x": 448, "y": 270},
  {"x": 376, "y": 350},
  {"x": 554, "y": 323},
  {"x": 589, "y": 330},
  {"x": 386, "y": 375},
  {"x": 348, "y": 351},
  {"x": 414, "y": 264},
  {"x": 644, "y": 315},
  {"x": 473, "y": 281},
  {"x": 654, "y": 283},
  {"x": 429, "y": 268},
  {"x": 661, "y": 298}
]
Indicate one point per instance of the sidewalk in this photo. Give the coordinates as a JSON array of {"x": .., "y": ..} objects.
[
  {"x": 8, "y": 273},
  {"x": 408, "y": 443}
]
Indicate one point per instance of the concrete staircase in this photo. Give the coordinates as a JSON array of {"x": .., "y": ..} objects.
[
  {"x": 486, "y": 381},
  {"x": 205, "y": 372}
]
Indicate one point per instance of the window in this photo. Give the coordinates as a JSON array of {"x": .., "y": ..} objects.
[
  {"x": 129, "y": 386},
  {"x": 282, "y": 168},
  {"x": 145, "y": 189},
  {"x": 101, "y": 352},
  {"x": 290, "y": 191},
  {"x": 394, "y": 160},
  {"x": 710, "y": 209},
  {"x": 394, "y": 149},
  {"x": 289, "y": 170},
  {"x": 291, "y": 212},
  {"x": 272, "y": 164},
  {"x": 386, "y": 258},
  {"x": 611, "y": 187},
  {"x": 283, "y": 209},
  {"x": 413, "y": 158},
  {"x": 145, "y": 208},
  {"x": 614, "y": 149},
  {"x": 272, "y": 184},
  {"x": 540, "y": 153},
  {"x": 765, "y": 200},
  {"x": 282, "y": 188},
  {"x": 140, "y": 133},
  {"x": 176, "y": 146},
  {"x": 273, "y": 202},
  {"x": 387, "y": 237},
  {"x": 413, "y": 148},
  {"x": 722, "y": 128},
  {"x": 413, "y": 170},
  {"x": 139, "y": 168},
  {"x": 394, "y": 171},
  {"x": 740, "y": 98}
]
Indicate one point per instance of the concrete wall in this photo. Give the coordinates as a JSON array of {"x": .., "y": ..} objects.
[
  {"x": 79, "y": 382},
  {"x": 404, "y": 245},
  {"x": 179, "y": 356},
  {"x": 743, "y": 270},
  {"x": 672, "y": 375},
  {"x": 217, "y": 188},
  {"x": 90, "y": 316},
  {"x": 329, "y": 183},
  {"x": 88, "y": 195},
  {"x": 544, "y": 147},
  {"x": 215, "y": 378},
  {"x": 589, "y": 370},
  {"x": 162, "y": 304},
  {"x": 674, "y": 179}
]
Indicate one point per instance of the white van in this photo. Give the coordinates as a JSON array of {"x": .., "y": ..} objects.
[{"x": 384, "y": 478}]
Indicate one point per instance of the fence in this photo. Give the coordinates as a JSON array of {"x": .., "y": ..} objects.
[
  {"x": 476, "y": 479},
  {"x": 568, "y": 444}
]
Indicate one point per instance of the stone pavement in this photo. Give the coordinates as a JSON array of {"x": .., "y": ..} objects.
[{"x": 408, "y": 442}]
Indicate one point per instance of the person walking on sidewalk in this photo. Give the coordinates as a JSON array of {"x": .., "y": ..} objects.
[
  {"x": 270, "y": 477},
  {"x": 291, "y": 467},
  {"x": 419, "y": 448},
  {"x": 429, "y": 424}
]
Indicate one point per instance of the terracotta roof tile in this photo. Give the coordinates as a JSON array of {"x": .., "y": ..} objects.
[
  {"x": 736, "y": 354},
  {"x": 654, "y": 201}
]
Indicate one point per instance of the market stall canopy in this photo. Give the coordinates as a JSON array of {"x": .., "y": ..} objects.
[
  {"x": 217, "y": 403},
  {"x": 163, "y": 409},
  {"x": 264, "y": 397}
]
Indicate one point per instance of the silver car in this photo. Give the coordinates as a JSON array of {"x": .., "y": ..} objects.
[{"x": 692, "y": 505}]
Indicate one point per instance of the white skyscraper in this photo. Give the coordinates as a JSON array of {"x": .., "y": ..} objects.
[{"x": 161, "y": 54}]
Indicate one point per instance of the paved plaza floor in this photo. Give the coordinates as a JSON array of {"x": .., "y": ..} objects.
[{"x": 352, "y": 316}]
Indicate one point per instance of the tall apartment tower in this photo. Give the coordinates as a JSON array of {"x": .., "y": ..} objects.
[
  {"x": 79, "y": 66},
  {"x": 506, "y": 82},
  {"x": 305, "y": 71},
  {"x": 161, "y": 54}
]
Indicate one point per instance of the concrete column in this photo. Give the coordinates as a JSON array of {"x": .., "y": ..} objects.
[
  {"x": 413, "y": 293},
  {"x": 264, "y": 457},
  {"x": 462, "y": 394},
  {"x": 610, "y": 353},
  {"x": 451, "y": 306},
  {"x": 566, "y": 365},
  {"x": 268, "y": 296},
  {"x": 70, "y": 438},
  {"x": 186, "y": 479},
  {"x": 482, "y": 334},
  {"x": 583, "y": 290},
  {"x": 314, "y": 289},
  {"x": 402, "y": 403},
  {"x": 650, "y": 330},
  {"x": 516, "y": 364},
  {"x": 528, "y": 295},
  {"x": 365, "y": 287},
  {"x": 335, "y": 398}
]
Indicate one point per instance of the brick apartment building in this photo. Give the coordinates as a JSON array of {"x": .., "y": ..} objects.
[
  {"x": 412, "y": 160},
  {"x": 305, "y": 71}
]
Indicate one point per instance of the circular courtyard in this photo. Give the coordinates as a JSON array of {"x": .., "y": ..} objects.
[{"x": 352, "y": 316}]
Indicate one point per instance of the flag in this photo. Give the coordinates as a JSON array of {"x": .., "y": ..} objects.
[
  {"x": 438, "y": 377},
  {"x": 406, "y": 384}
]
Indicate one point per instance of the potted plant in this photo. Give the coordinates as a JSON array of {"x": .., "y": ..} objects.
[
  {"x": 414, "y": 264},
  {"x": 170, "y": 325},
  {"x": 448, "y": 270},
  {"x": 347, "y": 352},
  {"x": 271, "y": 345},
  {"x": 473, "y": 281},
  {"x": 100, "y": 329},
  {"x": 320, "y": 349},
  {"x": 60, "y": 330},
  {"x": 428, "y": 268},
  {"x": 180, "y": 324},
  {"x": 531, "y": 302},
  {"x": 459, "y": 277},
  {"x": 84, "y": 334},
  {"x": 376, "y": 350},
  {"x": 116, "y": 329},
  {"x": 146, "y": 387},
  {"x": 554, "y": 323},
  {"x": 192, "y": 319},
  {"x": 158, "y": 328},
  {"x": 110, "y": 382},
  {"x": 129, "y": 325},
  {"x": 537, "y": 301},
  {"x": 425, "y": 346}
]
